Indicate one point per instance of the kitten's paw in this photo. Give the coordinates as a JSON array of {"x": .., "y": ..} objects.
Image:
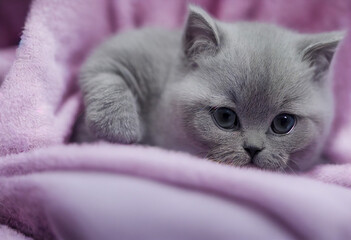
[{"x": 114, "y": 122}]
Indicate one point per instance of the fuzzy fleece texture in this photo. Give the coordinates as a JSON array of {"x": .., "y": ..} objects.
[{"x": 51, "y": 190}]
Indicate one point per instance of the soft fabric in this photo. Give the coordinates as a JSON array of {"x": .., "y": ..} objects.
[
  {"x": 73, "y": 192},
  {"x": 126, "y": 192},
  {"x": 7, "y": 233}
]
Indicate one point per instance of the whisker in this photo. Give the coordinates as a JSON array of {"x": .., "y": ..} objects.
[
  {"x": 290, "y": 168},
  {"x": 295, "y": 165}
]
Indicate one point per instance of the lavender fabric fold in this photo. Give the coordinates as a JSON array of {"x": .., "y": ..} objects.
[
  {"x": 105, "y": 191},
  {"x": 52, "y": 190}
]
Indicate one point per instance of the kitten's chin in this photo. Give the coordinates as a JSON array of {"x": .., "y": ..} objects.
[
  {"x": 254, "y": 166},
  {"x": 249, "y": 165}
]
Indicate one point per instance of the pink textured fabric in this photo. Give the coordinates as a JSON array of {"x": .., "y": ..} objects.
[
  {"x": 103, "y": 191},
  {"x": 42, "y": 194},
  {"x": 9, "y": 234},
  {"x": 56, "y": 37}
]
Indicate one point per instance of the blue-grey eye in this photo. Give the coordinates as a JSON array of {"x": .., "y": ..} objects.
[
  {"x": 283, "y": 123},
  {"x": 225, "y": 118}
]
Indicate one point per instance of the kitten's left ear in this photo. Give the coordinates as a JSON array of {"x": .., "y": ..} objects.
[
  {"x": 200, "y": 34},
  {"x": 318, "y": 50}
]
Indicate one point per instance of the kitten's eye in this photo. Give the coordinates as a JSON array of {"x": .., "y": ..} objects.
[
  {"x": 283, "y": 123},
  {"x": 225, "y": 118}
]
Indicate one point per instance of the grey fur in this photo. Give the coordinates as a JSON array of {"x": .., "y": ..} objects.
[{"x": 157, "y": 87}]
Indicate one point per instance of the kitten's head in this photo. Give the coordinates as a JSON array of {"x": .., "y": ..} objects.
[{"x": 255, "y": 93}]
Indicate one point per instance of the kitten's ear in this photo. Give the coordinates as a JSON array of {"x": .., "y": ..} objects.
[
  {"x": 318, "y": 50},
  {"x": 200, "y": 34}
]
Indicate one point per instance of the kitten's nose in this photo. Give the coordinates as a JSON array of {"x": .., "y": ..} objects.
[{"x": 252, "y": 151}]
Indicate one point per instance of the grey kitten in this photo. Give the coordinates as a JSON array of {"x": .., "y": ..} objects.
[{"x": 247, "y": 94}]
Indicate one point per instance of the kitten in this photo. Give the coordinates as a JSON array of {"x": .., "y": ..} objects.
[{"x": 245, "y": 93}]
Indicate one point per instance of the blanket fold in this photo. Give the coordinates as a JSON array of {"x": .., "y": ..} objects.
[{"x": 91, "y": 182}]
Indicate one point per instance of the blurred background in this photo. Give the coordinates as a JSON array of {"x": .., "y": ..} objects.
[{"x": 302, "y": 15}]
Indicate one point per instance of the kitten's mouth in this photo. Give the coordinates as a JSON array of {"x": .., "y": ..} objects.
[{"x": 250, "y": 165}]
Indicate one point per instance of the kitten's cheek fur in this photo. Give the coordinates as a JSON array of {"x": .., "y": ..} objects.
[
  {"x": 305, "y": 158},
  {"x": 228, "y": 155},
  {"x": 272, "y": 160}
]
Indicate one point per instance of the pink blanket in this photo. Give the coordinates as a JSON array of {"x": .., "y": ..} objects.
[{"x": 49, "y": 190}]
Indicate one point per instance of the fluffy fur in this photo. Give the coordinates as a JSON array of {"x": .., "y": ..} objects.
[{"x": 158, "y": 87}]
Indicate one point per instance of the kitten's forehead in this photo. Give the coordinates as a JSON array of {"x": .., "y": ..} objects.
[{"x": 260, "y": 70}]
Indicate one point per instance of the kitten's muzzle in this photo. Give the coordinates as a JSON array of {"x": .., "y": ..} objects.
[{"x": 252, "y": 151}]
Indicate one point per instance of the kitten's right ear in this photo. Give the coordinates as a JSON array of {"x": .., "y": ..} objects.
[
  {"x": 200, "y": 34},
  {"x": 318, "y": 50}
]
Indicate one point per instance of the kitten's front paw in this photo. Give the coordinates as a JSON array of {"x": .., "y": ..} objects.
[{"x": 114, "y": 122}]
